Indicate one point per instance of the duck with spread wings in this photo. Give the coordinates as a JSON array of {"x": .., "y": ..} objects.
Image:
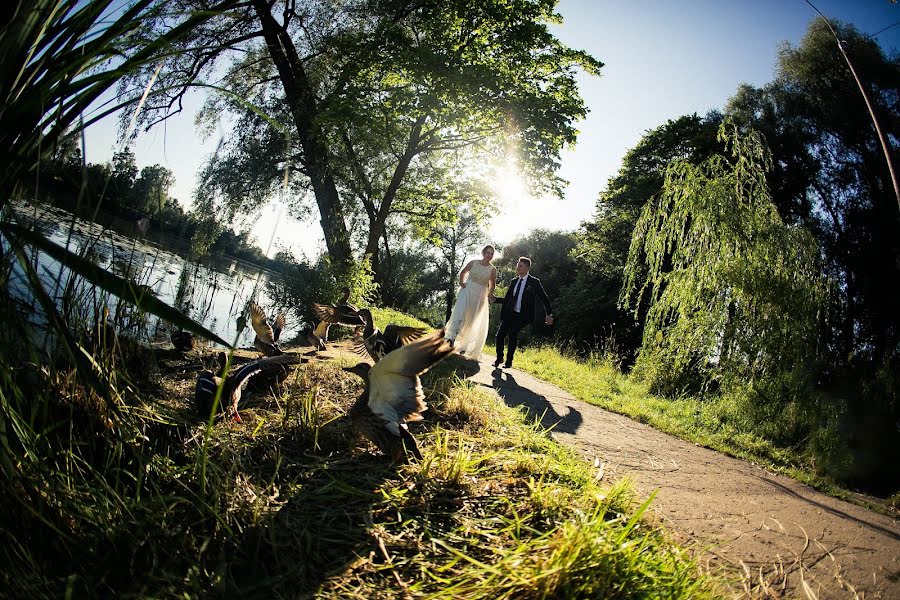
[
  {"x": 393, "y": 394},
  {"x": 267, "y": 335},
  {"x": 377, "y": 343},
  {"x": 342, "y": 313},
  {"x": 235, "y": 381}
]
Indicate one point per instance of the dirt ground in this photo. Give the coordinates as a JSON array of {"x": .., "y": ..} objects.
[{"x": 774, "y": 536}]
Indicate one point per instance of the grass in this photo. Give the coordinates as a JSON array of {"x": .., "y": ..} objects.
[
  {"x": 147, "y": 501},
  {"x": 386, "y": 316},
  {"x": 719, "y": 422}
]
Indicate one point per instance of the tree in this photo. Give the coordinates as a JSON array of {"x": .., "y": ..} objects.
[
  {"x": 831, "y": 177},
  {"x": 454, "y": 244},
  {"x": 550, "y": 252},
  {"x": 589, "y": 311},
  {"x": 362, "y": 104},
  {"x": 123, "y": 172},
  {"x": 150, "y": 192},
  {"x": 734, "y": 293}
]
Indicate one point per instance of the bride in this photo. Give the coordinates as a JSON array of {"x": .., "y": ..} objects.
[{"x": 468, "y": 324}]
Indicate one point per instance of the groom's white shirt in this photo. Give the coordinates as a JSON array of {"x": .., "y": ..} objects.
[{"x": 521, "y": 283}]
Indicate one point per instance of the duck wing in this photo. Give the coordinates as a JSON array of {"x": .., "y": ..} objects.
[
  {"x": 395, "y": 390},
  {"x": 261, "y": 325},
  {"x": 321, "y": 330},
  {"x": 278, "y": 325},
  {"x": 372, "y": 345},
  {"x": 399, "y": 335}
]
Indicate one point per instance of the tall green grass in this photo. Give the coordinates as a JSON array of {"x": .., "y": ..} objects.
[{"x": 293, "y": 503}]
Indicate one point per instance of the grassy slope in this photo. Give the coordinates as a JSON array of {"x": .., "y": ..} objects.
[{"x": 292, "y": 504}]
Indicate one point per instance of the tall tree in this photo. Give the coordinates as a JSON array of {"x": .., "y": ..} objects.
[
  {"x": 150, "y": 192},
  {"x": 360, "y": 102},
  {"x": 830, "y": 176},
  {"x": 588, "y": 305},
  {"x": 454, "y": 244}
]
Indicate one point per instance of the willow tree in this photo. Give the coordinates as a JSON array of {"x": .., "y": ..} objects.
[{"x": 734, "y": 293}]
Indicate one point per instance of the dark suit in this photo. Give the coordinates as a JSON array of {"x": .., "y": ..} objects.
[{"x": 511, "y": 322}]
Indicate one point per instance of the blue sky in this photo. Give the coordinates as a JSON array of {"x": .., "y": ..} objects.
[{"x": 664, "y": 59}]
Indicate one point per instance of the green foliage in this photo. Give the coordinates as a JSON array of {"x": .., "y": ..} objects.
[
  {"x": 303, "y": 283},
  {"x": 412, "y": 283},
  {"x": 59, "y": 56},
  {"x": 588, "y": 304},
  {"x": 385, "y": 114},
  {"x": 733, "y": 293},
  {"x": 831, "y": 177}
]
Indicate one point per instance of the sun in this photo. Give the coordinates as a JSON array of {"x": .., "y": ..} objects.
[
  {"x": 514, "y": 204},
  {"x": 510, "y": 188}
]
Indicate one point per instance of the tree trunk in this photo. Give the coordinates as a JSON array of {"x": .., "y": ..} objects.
[
  {"x": 302, "y": 103},
  {"x": 379, "y": 222},
  {"x": 451, "y": 281}
]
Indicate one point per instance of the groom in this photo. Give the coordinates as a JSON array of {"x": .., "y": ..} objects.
[{"x": 518, "y": 309}]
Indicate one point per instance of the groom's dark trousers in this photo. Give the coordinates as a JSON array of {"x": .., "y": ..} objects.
[{"x": 510, "y": 327}]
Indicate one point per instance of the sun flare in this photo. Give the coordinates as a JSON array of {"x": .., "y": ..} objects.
[{"x": 510, "y": 188}]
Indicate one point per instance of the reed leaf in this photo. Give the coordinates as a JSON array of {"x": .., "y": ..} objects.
[{"x": 57, "y": 57}]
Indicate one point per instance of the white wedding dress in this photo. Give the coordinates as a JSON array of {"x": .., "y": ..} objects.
[{"x": 468, "y": 324}]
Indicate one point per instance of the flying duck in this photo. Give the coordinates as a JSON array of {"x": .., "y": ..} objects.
[
  {"x": 318, "y": 336},
  {"x": 342, "y": 313},
  {"x": 377, "y": 343},
  {"x": 266, "y": 340},
  {"x": 393, "y": 394},
  {"x": 234, "y": 382}
]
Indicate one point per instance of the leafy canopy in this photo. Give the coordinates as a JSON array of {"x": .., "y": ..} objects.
[{"x": 733, "y": 291}]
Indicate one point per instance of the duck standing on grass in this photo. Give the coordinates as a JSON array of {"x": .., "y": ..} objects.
[
  {"x": 377, "y": 343},
  {"x": 393, "y": 394},
  {"x": 234, "y": 381},
  {"x": 182, "y": 340},
  {"x": 266, "y": 340}
]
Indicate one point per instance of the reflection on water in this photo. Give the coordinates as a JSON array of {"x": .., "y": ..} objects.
[{"x": 213, "y": 293}]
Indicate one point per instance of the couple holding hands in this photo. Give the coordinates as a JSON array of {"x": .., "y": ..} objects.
[{"x": 468, "y": 324}]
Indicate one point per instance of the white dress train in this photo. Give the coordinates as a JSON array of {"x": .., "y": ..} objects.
[{"x": 468, "y": 324}]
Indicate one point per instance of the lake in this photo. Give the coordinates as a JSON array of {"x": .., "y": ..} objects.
[{"x": 213, "y": 291}]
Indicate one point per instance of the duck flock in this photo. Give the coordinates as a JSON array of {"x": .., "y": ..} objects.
[{"x": 392, "y": 396}]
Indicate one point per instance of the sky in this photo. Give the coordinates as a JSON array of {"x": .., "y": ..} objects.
[{"x": 663, "y": 59}]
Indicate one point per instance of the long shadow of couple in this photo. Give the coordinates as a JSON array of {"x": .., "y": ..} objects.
[{"x": 514, "y": 394}]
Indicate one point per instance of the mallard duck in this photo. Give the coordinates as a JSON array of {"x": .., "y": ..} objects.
[
  {"x": 266, "y": 340},
  {"x": 377, "y": 343},
  {"x": 342, "y": 313},
  {"x": 234, "y": 382},
  {"x": 182, "y": 340},
  {"x": 393, "y": 394}
]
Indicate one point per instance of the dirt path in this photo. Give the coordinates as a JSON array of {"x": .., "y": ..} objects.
[{"x": 782, "y": 538}]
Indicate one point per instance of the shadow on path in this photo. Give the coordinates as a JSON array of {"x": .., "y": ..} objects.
[
  {"x": 834, "y": 511},
  {"x": 516, "y": 395}
]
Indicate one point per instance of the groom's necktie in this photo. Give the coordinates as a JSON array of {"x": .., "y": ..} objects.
[{"x": 517, "y": 306}]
